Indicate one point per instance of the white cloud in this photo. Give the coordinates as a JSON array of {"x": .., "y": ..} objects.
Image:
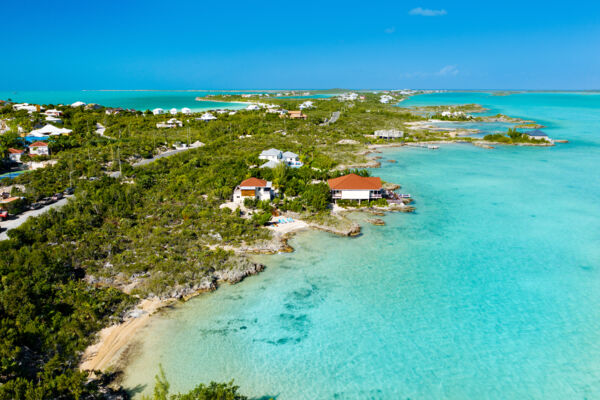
[
  {"x": 391, "y": 30},
  {"x": 426, "y": 12},
  {"x": 448, "y": 70}
]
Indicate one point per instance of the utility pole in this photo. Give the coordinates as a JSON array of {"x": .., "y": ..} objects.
[
  {"x": 119, "y": 154},
  {"x": 71, "y": 172}
]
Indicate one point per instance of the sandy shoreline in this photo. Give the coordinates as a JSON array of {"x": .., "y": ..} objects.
[{"x": 115, "y": 340}]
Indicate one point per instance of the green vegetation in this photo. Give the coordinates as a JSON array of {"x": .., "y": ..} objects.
[
  {"x": 212, "y": 391},
  {"x": 512, "y": 137},
  {"x": 157, "y": 229}
]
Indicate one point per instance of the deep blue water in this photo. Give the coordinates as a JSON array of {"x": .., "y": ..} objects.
[{"x": 491, "y": 290}]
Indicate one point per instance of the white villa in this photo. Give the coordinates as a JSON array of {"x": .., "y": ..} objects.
[
  {"x": 27, "y": 107},
  {"x": 207, "y": 117},
  {"x": 306, "y": 105},
  {"x": 172, "y": 123},
  {"x": 454, "y": 114},
  {"x": 78, "y": 104},
  {"x": 173, "y": 111},
  {"x": 388, "y": 134},
  {"x": 538, "y": 135},
  {"x": 253, "y": 107},
  {"x": 348, "y": 96},
  {"x": 253, "y": 188},
  {"x": 39, "y": 149},
  {"x": 14, "y": 155},
  {"x": 355, "y": 187},
  {"x": 275, "y": 156},
  {"x": 49, "y": 130},
  {"x": 53, "y": 113},
  {"x": 385, "y": 99},
  {"x": 56, "y": 120},
  {"x": 186, "y": 111},
  {"x": 158, "y": 111}
]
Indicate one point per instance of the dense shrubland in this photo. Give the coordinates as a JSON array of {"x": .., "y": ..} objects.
[{"x": 159, "y": 226}]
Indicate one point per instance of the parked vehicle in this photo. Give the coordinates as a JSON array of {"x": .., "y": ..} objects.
[
  {"x": 69, "y": 190},
  {"x": 57, "y": 196},
  {"x": 35, "y": 206},
  {"x": 3, "y": 215},
  {"x": 46, "y": 200}
]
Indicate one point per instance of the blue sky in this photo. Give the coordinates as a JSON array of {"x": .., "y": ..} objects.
[{"x": 132, "y": 44}]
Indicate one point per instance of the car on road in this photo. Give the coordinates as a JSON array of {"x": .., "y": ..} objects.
[
  {"x": 35, "y": 206},
  {"x": 3, "y": 215},
  {"x": 57, "y": 196},
  {"x": 46, "y": 200},
  {"x": 69, "y": 190}
]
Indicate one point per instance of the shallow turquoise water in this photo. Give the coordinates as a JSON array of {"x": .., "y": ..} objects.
[
  {"x": 138, "y": 100},
  {"x": 489, "y": 291}
]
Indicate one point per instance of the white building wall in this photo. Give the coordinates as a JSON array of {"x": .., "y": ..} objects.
[{"x": 355, "y": 194}]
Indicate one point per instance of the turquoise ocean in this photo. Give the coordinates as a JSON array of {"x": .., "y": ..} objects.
[{"x": 490, "y": 290}]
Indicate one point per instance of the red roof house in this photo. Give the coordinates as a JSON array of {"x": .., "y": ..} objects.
[
  {"x": 355, "y": 187},
  {"x": 39, "y": 149},
  {"x": 253, "y": 188}
]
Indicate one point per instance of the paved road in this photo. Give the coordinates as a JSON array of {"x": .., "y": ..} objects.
[
  {"x": 100, "y": 129},
  {"x": 146, "y": 161},
  {"x": 16, "y": 221},
  {"x": 334, "y": 117}
]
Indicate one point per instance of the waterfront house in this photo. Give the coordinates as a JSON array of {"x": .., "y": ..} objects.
[
  {"x": 538, "y": 135},
  {"x": 186, "y": 111},
  {"x": 207, "y": 117},
  {"x": 252, "y": 107},
  {"x": 113, "y": 111},
  {"x": 172, "y": 123},
  {"x": 253, "y": 188},
  {"x": 355, "y": 187},
  {"x": 389, "y": 134},
  {"x": 14, "y": 155},
  {"x": 173, "y": 111},
  {"x": 296, "y": 115},
  {"x": 39, "y": 149},
  {"x": 78, "y": 104},
  {"x": 158, "y": 111},
  {"x": 30, "y": 108}
]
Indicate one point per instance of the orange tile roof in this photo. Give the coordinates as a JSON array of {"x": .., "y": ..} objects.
[
  {"x": 355, "y": 182},
  {"x": 15, "y": 151},
  {"x": 254, "y": 182},
  {"x": 38, "y": 144},
  {"x": 9, "y": 200}
]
